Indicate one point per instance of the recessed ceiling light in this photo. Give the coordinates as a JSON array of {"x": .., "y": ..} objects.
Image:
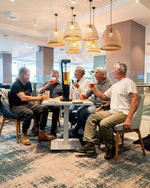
[
  {"x": 73, "y": 1},
  {"x": 34, "y": 23},
  {"x": 12, "y": 0},
  {"x": 8, "y": 16},
  {"x": 137, "y": 1}
]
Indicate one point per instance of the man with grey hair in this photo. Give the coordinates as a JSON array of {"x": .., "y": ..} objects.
[
  {"x": 124, "y": 101},
  {"x": 79, "y": 85},
  {"x": 55, "y": 89},
  {"x": 20, "y": 99},
  {"x": 103, "y": 83}
]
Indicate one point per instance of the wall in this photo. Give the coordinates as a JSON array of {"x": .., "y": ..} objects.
[
  {"x": 99, "y": 61},
  {"x": 132, "y": 52},
  {"x": 44, "y": 63}
]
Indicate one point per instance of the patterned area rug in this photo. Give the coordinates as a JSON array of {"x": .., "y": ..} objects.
[{"x": 37, "y": 166}]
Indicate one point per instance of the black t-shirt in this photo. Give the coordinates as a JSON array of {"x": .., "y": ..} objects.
[
  {"x": 16, "y": 88},
  {"x": 55, "y": 89}
]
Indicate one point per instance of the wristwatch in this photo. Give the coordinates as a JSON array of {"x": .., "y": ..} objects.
[{"x": 102, "y": 106}]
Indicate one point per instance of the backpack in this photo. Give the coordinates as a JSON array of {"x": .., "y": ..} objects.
[{"x": 147, "y": 143}]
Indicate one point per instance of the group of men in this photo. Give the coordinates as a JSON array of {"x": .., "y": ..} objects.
[{"x": 112, "y": 104}]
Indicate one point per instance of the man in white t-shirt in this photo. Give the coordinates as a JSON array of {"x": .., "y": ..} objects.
[{"x": 123, "y": 104}]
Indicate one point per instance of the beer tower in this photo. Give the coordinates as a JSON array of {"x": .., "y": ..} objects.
[{"x": 65, "y": 71}]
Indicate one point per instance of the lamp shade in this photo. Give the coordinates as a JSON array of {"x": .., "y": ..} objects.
[
  {"x": 111, "y": 40},
  {"x": 93, "y": 51},
  {"x": 56, "y": 38},
  {"x": 72, "y": 31},
  {"x": 74, "y": 47},
  {"x": 92, "y": 47},
  {"x": 90, "y": 33}
]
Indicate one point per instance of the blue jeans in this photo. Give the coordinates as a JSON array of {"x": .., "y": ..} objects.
[
  {"x": 83, "y": 113},
  {"x": 72, "y": 116}
]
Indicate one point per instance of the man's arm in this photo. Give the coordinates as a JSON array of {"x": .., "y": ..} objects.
[
  {"x": 100, "y": 108},
  {"x": 24, "y": 97},
  {"x": 42, "y": 89},
  {"x": 134, "y": 104},
  {"x": 99, "y": 94}
]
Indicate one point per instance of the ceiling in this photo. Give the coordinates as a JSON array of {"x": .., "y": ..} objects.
[{"x": 17, "y": 20}]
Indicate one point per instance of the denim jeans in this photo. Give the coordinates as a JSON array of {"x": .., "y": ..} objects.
[
  {"x": 82, "y": 115},
  {"x": 72, "y": 116}
]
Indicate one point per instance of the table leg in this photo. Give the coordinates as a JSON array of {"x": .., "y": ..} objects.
[
  {"x": 65, "y": 143},
  {"x": 66, "y": 127}
]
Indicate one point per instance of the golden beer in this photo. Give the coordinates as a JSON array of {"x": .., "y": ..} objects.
[{"x": 66, "y": 76}]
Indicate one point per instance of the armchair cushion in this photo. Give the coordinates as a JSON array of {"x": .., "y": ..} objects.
[
  {"x": 4, "y": 105},
  {"x": 7, "y": 113}
]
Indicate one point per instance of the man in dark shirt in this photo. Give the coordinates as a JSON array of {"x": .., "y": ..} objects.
[
  {"x": 20, "y": 100},
  {"x": 55, "y": 89}
]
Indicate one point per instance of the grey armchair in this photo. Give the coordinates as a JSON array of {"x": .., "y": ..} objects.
[{"x": 135, "y": 127}]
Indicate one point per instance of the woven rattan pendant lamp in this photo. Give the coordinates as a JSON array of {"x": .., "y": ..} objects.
[
  {"x": 92, "y": 47},
  {"x": 111, "y": 39},
  {"x": 90, "y": 30},
  {"x": 72, "y": 30},
  {"x": 74, "y": 47},
  {"x": 56, "y": 36}
]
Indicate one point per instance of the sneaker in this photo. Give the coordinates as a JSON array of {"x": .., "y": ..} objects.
[
  {"x": 24, "y": 139},
  {"x": 87, "y": 148},
  {"x": 109, "y": 154},
  {"x": 44, "y": 136}
]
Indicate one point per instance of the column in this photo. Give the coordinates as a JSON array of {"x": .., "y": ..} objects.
[
  {"x": 132, "y": 52},
  {"x": 5, "y": 68},
  {"x": 44, "y": 61}
]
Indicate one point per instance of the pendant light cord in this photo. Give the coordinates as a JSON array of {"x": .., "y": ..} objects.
[
  {"x": 74, "y": 17},
  {"x": 56, "y": 21},
  {"x": 72, "y": 14},
  {"x": 90, "y": 11},
  {"x": 111, "y": 16},
  {"x": 93, "y": 14}
]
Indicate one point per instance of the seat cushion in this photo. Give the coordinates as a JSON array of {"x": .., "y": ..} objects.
[
  {"x": 7, "y": 113},
  {"x": 118, "y": 127}
]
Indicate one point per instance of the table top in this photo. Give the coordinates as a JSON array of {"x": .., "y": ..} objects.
[{"x": 58, "y": 102}]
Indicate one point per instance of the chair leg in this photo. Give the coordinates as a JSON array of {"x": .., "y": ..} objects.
[
  {"x": 141, "y": 142},
  {"x": 99, "y": 140},
  {"x": 57, "y": 128},
  {"x": 17, "y": 130},
  {"x": 117, "y": 146},
  {"x": 34, "y": 118},
  {"x": 122, "y": 138},
  {"x": 2, "y": 123},
  {"x": 19, "y": 125}
]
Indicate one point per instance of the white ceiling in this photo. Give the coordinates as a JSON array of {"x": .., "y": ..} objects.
[{"x": 23, "y": 30}]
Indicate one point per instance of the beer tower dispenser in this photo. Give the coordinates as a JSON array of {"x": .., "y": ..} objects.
[{"x": 65, "y": 71}]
